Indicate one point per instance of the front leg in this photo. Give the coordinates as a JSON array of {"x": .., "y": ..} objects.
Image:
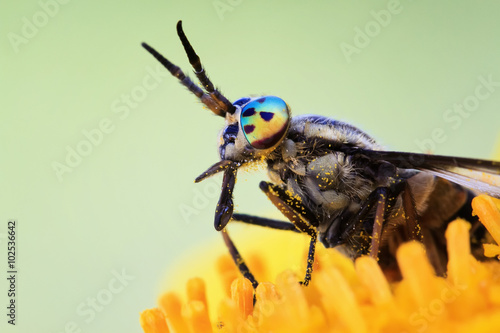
[
  {"x": 301, "y": 218},
  {"x": 278, "y": 225},
  {"x": 264, "y": 222},
  {"x": 238, "y": 260}
]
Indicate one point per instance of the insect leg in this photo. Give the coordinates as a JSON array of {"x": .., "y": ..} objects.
[
  {"x": 238, "y": 260},
  {"x": 354, "y": 222},
  {"x": 412, "y": 226},
  {"x": 310, "y": 259},
  {"x": 386, "y": 196},
  {"x": 299, "y": 215},
  {"x": 341, "y": 232},
  {"x": 224, "y": 209},
  {"x": 264, "y": 222},
  {"x": 378, "y": 221}
]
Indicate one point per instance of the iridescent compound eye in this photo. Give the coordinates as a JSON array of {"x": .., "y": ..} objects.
[{"x": 265, "y": 121}]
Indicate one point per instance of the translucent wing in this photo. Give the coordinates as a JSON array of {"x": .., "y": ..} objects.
[{"x": 481, "y": 175}]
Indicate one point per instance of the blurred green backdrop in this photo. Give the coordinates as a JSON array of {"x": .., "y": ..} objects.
[{"x": 99, "y": 147}]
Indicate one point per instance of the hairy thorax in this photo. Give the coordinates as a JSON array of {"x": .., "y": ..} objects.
[{"x": 323, "y": 178}]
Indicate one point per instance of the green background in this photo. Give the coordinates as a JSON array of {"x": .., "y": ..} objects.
[{"x": 120, "y": 207}]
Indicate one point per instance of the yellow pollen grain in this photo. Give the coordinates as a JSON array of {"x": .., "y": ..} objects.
[
  {"x": 227, "y": 272},
  {"x": 153, "y": 321},
  {"x": 485, "y": 208},
  {"x": 417, "y": 271},
  {"x": 491, "y": 250},
  {"x": 228, "y": 317},
  {"x": 196, "y": 290},
  {"x": 196, "y": 316},
  {"x": 371, "y": 276},
  {"x": 266, "y": 291},
  {"x": 242, "y": 295},
  {"x": 171, "y": 306},
  {"x": 458, "y": 244},
  {"x": 345, "y": 307}
]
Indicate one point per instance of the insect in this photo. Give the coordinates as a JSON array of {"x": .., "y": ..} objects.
[{"x": 332, "y": 181}]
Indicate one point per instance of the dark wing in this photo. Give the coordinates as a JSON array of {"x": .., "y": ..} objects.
[{"x": 481, "y": 175}]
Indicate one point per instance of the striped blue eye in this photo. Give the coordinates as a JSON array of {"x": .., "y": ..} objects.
[{"x": 264, "y": 121}]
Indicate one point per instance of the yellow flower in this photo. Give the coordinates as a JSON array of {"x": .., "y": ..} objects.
[{"x": 353, "y": 297}]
